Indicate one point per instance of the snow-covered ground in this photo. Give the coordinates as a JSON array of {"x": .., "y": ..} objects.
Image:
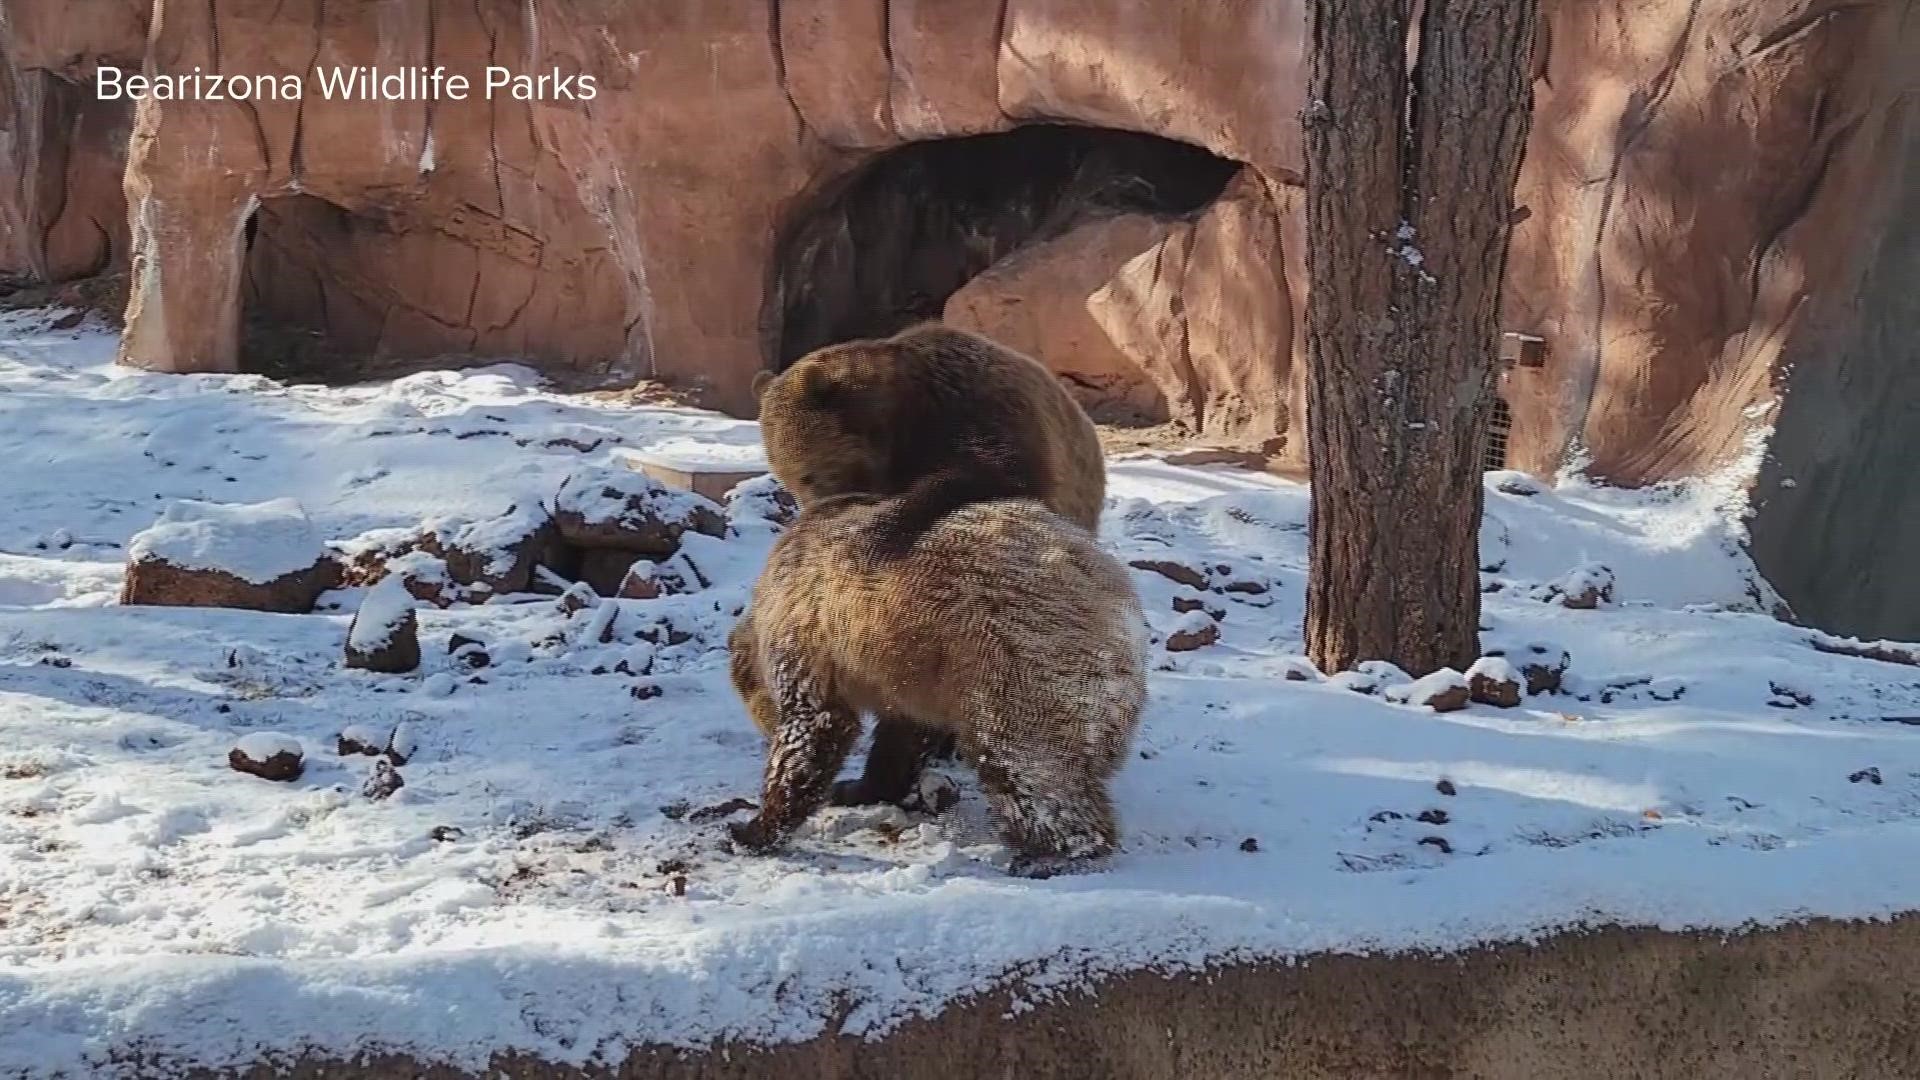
[{"x": 545, "y": 881}]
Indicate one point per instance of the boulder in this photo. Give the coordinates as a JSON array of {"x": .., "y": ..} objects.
[
  {"x": 385, "y": 633},
  {"x": 259, "y": 556},
  {"x": 622, "y": 510},
  {"x": 268, "y": 756}
]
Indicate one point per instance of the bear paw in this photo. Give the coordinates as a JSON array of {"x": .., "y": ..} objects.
[{"x": 751, "y": 837}]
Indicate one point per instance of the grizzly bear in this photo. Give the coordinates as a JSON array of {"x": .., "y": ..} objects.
[
  {"x": 1003, "y": 625},
  {"x": 975, "y": 419}
]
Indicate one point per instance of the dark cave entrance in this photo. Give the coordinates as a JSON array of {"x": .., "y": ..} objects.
[
  {"x": 885, "y": 246},
  {"x": 289, "y": 327}
]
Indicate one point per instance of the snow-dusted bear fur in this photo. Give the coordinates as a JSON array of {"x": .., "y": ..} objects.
[
  {"x": 953, "y": 415},
  {"x": 1000, "y": 623}
]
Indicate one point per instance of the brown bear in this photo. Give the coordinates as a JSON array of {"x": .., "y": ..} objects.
[
  {"x": 1002, "y": 624},
  {"x": 975, "y": 419}
]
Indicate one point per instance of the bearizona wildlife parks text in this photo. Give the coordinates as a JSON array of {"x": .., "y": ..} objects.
[{"x": 345, "y": 84}]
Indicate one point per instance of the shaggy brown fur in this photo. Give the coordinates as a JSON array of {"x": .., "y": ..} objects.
[
  {"x": 1003, "y": 625},
  {"x": 950, "y": 415}
]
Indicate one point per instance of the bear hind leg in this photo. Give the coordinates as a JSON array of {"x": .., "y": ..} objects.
[
  {"x": 1054, "y": 812},
  {"x": 810, "y": 741},
  {"x": 900, "y": 752}
]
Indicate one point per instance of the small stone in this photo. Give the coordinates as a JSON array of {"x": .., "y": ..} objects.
[
  {"x": 445, "y": 834},
  {"x": 1870, "y": 775},
  {"x": 1249, "y": 588},
  {"x": 1543, "y": 666},
  {"x": 1250, "y": 845},
  {"x": 268, "y": 756},
  {"x": 382, "y": 782},
  {"x": 1193, "y": 631},
  {"x": 1493, "y": 681},
  {"x": 714, "y": 813},
  {"x": 361, "y": 739},
  {"x": 1434, "y": 817},
  {"x": 641, "y": 581},
  {"x": 1445, "y": 787},
  {"x": 1172, "y": 571},
  {"x": 402, "y": 745},
  {"x": 645, "y": 691},
  {"x": 1586, "y": 588},
  {"x": 1439, "y": 842},
  {"x": 579, "y": 597},
  {"x": 679, "y": 884}
]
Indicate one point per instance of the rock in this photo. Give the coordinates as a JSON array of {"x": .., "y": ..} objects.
[
  {"x": 1250, "y": 845},
  {"x": 579, "y": 597},
  {"x": 642, "y": 581},
  {"x": 1544, "y": 667},
  {"x": 1492, "y": 680},
  {"x": 402, "y": 745},
  {"x": 361, "y": 739},
  {"x": 382, "y": 782},
  {"x": 1585, "y": 588},
  {"x": 445, "y": 834},
  {"x": 1445, "y": 690},
  {"x": 268, "y": 756},
  {"x": 1191, "y": 631},
  {"x": 425, "y": 577},
  {"x": 1173, "y": 571},
  {"x": 1509, "y": 482},
  {"x": 763, "y": 499},
  {"x": 1185, "y": 604},
  {"x": 485, "y": 558},
  {"x": 1445, "y": 787},
  {"x": 622, "y": 510},
  {"x": 470, "y": 653},
  {"x": 497, "y": 555},
  {"x": 385, "y": 633},
  {"x": 258, "y": 556},
  {"x": 1299, "y": 669},
  {"x": 1371, "y": 677}
]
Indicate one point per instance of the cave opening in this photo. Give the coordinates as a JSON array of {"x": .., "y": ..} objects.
[
  {"x": 885, "y": 246},
  {"x": 288, "y": 330}
]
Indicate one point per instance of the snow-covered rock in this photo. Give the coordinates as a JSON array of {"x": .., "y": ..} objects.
[
  {"x": 385, "y": 633},
  {"x": 1493, "y": 680},
  {"x": 268, "y": 755},
  {"x": 260, "y": 556},
  {"x": 624, "y": 510}
]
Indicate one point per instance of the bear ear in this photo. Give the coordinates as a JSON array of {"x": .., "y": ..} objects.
[
  {"x": 821, "y": 389},
  {"x": 761, "y": 381}
]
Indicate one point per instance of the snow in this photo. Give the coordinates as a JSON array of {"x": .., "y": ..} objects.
[
  {"x": 259, "y": 543},
  {"x": 518, "y": 893},
  {"x": 262, "y": 745},
  {"x": 1424, "y": 690},
  {"x": 1496, "y": 669}
]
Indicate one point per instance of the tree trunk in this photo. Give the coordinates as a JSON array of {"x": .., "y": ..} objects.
[{"x": 1409, "y": 207}]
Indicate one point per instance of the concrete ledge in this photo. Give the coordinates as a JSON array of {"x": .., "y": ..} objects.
[{"x": 1821, "y": 999}]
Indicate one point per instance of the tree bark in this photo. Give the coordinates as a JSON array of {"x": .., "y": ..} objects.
[{"x": 1410, "y": 180}]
